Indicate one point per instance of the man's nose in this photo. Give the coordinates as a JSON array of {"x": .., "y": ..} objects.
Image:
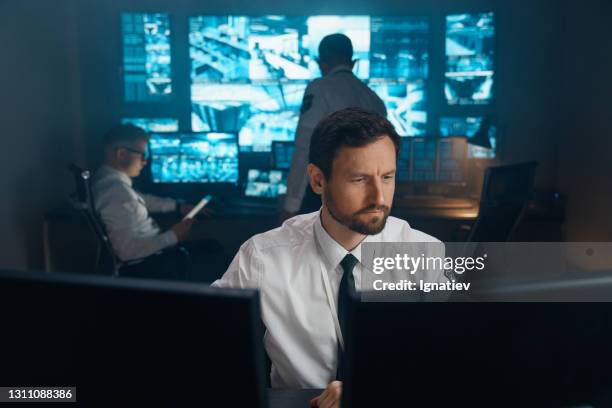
[{"x": 377, "y": 195}]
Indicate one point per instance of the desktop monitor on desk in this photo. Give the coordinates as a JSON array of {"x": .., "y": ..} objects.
[
  {"x": 130, "y": 342},
  {"x": 265, "y": 183},
  {"x": 194, "y": 158},
  {"x": 474, "y": 354},
  {"x": 427, "y": 161}
]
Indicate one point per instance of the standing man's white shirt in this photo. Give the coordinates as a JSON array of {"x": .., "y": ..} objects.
[
  {"x": 286, "y": 266},
  {"x": 337, "y": 90},
  {"x": 125, "y": 214}
]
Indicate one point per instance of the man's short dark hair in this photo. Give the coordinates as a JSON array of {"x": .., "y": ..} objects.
[
  {"x": 336, "y": 49},
  {"x": 351, "y": 127},
  {"x": 124, "y": 134}
]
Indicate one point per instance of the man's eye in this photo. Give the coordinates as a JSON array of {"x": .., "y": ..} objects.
[
  {"x": 358, "y": 180},
  {"x": 388, "y": 177}
]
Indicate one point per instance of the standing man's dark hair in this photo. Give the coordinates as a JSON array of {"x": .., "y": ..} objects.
[
  {"x": 352, "y": 127},
  {"x": 336, "y": 49}
]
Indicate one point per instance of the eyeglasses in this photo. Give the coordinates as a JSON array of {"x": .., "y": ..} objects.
[{"x": 143, "y": 155}]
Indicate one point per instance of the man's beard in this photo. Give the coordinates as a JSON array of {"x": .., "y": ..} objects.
[{"x": 352, "y": 222}]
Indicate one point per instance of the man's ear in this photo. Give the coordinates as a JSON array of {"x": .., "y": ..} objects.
[{"x": 316, "y": 178}]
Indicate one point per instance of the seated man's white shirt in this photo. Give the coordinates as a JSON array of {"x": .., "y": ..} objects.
[
  {"x": 125, "y": 214},
  {"x": 285, "y": 264}
]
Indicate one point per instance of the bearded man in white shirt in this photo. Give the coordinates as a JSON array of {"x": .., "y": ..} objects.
[{"x": 353, "y": 154}]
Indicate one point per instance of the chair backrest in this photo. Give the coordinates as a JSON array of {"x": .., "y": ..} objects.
[
  {"x": 505, "y": 194},
  {"x": 83, "y": 201}
]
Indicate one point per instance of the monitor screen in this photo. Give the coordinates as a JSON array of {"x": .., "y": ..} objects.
[
  {"x": 269, "y": 184},
  {"x": 452, "y": 154},
  {"x": 424, "y": 160},
  {"x": 248, "y": 74},
  {"x": 194, "y": 158},
  {"x": 403, "y": 160},
  {"x": 406, "y": 105},
  {"x": 147, "y": 74},
  {"x": 468, "y": 126},
  {"x": 469, "y": 58},
  {"x": 282, "y": 154},
  {"x": 153, "y": 125}
]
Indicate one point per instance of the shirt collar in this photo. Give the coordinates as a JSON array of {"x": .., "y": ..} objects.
[
  {"x": 117, "y": 174},
  {"x": 333, "y": 252}
]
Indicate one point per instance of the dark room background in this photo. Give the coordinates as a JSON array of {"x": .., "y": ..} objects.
[{"x": 61, "y": 89}]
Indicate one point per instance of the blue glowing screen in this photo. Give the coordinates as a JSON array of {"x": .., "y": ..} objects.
[
  {"x": 282, "y": 154},
  {"x": 147, "y": 71},
  {"x": 248, "y": 74},
  {"x": 262, "y": 183},
  {"x": 154, "y": 125},
  {"x": 469, "y": 58},
  {"x": 194, "y": 158}
]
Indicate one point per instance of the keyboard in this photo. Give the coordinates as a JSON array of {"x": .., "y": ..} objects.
[{"x": 434, "y": 201}]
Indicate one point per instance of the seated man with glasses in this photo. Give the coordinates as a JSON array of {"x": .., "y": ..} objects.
[{"x": 124, "y": 211}]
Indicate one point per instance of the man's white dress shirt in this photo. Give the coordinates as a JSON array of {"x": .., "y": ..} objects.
[
  {"x": 125, "y": 214},
  {"x": 337, "y": 90},
  {"x": 287, "y": 267}
]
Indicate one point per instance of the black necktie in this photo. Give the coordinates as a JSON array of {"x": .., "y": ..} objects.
[{"x": 345, "y": 292}]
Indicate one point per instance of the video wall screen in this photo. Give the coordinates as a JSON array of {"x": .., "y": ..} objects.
[
  {"x": 468, "y": 126},
  {"x": 194, "y": 158},
  {"x": 469, "y": 58},
  {"x": 248, "y": 74},
  {"x": 147, "y": 70},
  {"x": 154, "y": 125}
]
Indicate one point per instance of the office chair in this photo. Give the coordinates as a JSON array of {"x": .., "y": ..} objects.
[{"x": 106, "y": 261}]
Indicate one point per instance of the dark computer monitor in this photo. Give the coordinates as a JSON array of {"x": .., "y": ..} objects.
[
  {"x": 137, "y": 342},
  {"x": 476, "y": 354},
  {"x": 265, "y": 183},
  {"x": 282, "y": 154},
  {"x": 194, "y": 157}
]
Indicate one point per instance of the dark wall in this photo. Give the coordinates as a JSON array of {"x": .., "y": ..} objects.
[
  {"x": 585, "y": 159},
  {"x": 40, "y": 126}
]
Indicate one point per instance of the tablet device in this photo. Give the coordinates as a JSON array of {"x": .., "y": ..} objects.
[{"x": 198, "y": 207}]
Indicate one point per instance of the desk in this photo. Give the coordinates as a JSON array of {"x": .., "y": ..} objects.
[{"x": 291, "y": 398}]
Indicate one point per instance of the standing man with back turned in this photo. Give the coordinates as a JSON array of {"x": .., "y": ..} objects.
[{"x": 338, "y": 89}]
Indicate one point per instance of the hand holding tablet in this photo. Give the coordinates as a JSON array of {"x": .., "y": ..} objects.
[{"x": 198, "y": 207}]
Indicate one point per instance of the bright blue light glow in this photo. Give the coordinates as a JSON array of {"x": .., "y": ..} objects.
[
  {"x": 266, "y": 183},
  {"x": 469, "y": 58},
  {"x": 194, "y": 158},
  {"x": 146, "y": 56},
  {"x": 249, "y": 73},
  {"x": 154, "y": 125}
]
